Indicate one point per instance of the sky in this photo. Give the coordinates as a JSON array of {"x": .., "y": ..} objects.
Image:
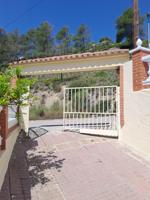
[{"x": 98, "y": 15}]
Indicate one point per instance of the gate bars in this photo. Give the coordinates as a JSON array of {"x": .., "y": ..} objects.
[{"x": 93, "y": 108}]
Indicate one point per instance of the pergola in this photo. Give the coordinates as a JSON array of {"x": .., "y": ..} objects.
[
  {"x": 112, "y": 59},
  {"x": 103, "y": 60}
]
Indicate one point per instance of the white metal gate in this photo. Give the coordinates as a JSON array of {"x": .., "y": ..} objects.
[{"x": 92, "y": 110}]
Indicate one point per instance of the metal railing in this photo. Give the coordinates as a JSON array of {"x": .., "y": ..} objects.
[{"x": 91, "y": 108}]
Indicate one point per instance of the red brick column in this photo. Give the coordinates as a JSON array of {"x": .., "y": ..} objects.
[
  {"x": 4, "y": 126},
  {"x": 139, "y": 70}
]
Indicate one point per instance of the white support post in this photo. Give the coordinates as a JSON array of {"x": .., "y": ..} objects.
[
  {"x": 83, "y": 100},
  {"x": 118, "y": 109},
  {"x": 75, "y": 101},
  {"x": 24, "y": 114},
  {"x": 71, "y": 101},
  {"x": 64, "y": 108}
]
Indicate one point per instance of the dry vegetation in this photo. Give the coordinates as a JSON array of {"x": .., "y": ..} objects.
[{"x": 48, "y": 91}]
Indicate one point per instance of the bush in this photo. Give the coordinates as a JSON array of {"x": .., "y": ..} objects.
[{"x": 54, "y": 112}]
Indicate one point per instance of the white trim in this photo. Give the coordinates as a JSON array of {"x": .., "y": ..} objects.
[
  {"x": 118, "y": 110},
  {"x": 147, "y": 81},
  {"x": 139, "y": 49},
  {"x": 146, "y": 58},
  {"x": 108, "y": 133},
  {"x": 146, "y": 90},
  {"x": 111, "y": 86}
]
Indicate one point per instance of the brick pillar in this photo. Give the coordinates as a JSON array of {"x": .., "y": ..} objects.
[
  {"x": 140, "y": 68},
  {"x": 4, "y": 126}
]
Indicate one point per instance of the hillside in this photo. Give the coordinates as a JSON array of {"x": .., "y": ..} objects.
[{"x": 48, "y": 90}]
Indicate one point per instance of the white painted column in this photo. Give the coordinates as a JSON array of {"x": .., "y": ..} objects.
[{"x": 24, "y": 115}]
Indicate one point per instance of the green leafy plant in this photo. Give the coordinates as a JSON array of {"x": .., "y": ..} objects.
[
  {"x": 5, "y": 91},
  {"x": 17, "y": 94}
]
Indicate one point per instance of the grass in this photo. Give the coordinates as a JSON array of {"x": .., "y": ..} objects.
[{"x": 54, "y": 112}]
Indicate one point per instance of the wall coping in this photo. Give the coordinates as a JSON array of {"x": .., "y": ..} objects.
[
  {"x": 146, "y": 91},
  {"x": 146, "y": 58},
  {"x": 139, "y": 48}
]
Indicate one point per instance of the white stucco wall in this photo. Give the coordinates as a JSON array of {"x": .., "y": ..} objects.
[
  {"x": 136, "y": 131},
  {"x": 6, "y": 154}
]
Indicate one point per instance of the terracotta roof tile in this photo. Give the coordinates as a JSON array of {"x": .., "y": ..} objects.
[{"x": 72, "y": 56}]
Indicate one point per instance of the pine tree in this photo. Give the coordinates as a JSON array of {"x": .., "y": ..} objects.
[
  {"x": 124, "y": 26},
  {"x": 4, "y": 50},
  {"x": 82, "y": 39},
  {"x": 44, "y": 40},
  {"x": 63, "y": 38}
]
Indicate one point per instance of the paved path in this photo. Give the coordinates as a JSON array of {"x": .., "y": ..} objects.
[{"x": 69, "y": 166}]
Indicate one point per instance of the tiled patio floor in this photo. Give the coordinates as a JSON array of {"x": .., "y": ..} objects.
[{"x": 69, "y": 166}]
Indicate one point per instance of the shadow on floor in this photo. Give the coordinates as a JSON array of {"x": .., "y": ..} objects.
[
  {"x": 26, "y": 171},
  {"x": 35, "y": 132}
]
